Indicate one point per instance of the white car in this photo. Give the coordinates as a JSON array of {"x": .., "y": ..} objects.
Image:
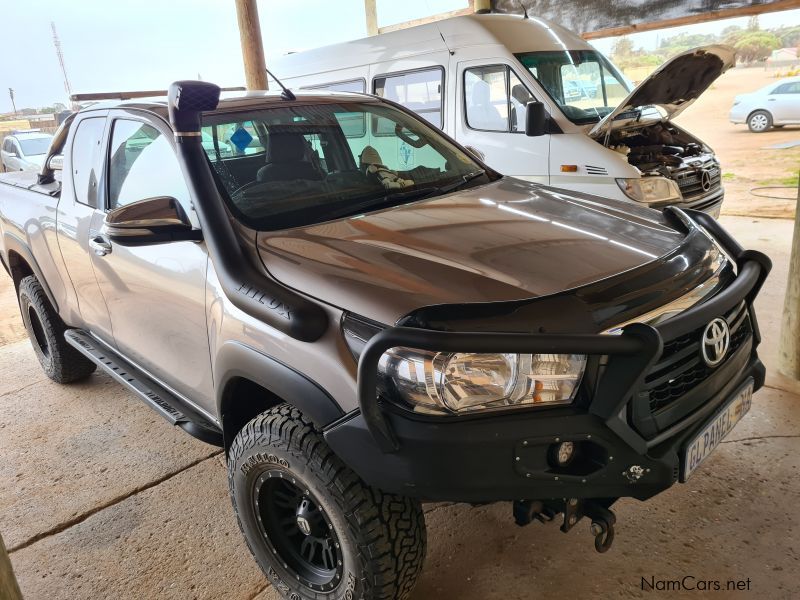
[
  {"x": 24, "y": 150},
  {"x": 774, "y": 105}
]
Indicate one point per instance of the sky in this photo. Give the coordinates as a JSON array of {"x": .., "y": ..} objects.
[{"x": 146, "y": 44}]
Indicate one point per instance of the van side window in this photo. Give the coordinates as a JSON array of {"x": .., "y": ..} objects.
[
  {"x": 354, "y": 85},
  {"x": 85, "y": 152},
  {"x": 420, "y": 91},
  {"x": 142, "y": 165},
  {"x": 495, "y": 99}
]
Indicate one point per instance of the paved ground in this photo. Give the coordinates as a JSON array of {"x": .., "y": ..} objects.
[{"x": 101, "y": 498}]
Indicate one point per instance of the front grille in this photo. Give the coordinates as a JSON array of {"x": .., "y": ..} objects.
[
  {"x": 681, "y": 367},
  {"x": 691, "y": 181}
]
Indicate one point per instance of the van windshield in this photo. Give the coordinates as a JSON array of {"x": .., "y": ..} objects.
[
  {"x": 583, "y": 82},
  {"x": 297, "y": 164}
]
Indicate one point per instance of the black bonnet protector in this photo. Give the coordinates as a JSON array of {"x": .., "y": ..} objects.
[{"x": 592, "y": 308}]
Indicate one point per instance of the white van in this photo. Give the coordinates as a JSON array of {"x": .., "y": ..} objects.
[{"x": 477, "y": 76}]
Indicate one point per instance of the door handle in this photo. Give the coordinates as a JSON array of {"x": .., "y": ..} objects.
[{"x": 100, "y": 245}]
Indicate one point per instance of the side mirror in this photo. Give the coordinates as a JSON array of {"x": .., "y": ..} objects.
[
  {"x": 535, "y": 119},
  {"x": 150, "y": 221},
  {"x": 56, "y": 162}
]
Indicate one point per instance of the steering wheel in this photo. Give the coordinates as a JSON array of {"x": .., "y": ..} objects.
[{"x": 418, "y": 143}]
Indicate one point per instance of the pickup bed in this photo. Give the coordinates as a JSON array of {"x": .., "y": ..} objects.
[{"x": 362, "y": 333}]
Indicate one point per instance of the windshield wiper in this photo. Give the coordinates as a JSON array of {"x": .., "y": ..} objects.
[
  {"x": 461, "y": 181},
  {"x": 401, "y": 197}
]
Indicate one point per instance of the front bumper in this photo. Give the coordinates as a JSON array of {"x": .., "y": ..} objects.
[{"x": 505, "y": 456}]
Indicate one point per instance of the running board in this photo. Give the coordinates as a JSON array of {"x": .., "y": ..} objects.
[{"x": 164, "y": 402}]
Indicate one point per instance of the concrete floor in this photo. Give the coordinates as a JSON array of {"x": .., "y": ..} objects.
[{"x": 101, "y": 498}]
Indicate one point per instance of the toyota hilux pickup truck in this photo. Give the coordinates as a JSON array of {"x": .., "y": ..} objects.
[{"x": 366, "y": 317}]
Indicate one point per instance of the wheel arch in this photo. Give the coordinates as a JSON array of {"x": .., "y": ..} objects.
[
  {"x": 756, "y": 110},
  {"x": 250, "y": 382},
  {"x": 21, "y": 263}
]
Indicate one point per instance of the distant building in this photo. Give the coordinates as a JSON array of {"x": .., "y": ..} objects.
[{"x": 784, "y": 56}]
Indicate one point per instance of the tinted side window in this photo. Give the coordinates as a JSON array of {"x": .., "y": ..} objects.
[
  {"x": 142, "y": 165},
  {"x": 420, "y": 91},
  {"x": 85, "y": 152}
]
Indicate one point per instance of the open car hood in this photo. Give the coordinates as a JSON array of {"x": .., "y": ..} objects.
[{"x": 673, "y": 86}]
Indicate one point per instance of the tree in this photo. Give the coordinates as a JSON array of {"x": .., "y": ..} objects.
[
  {"x": 753, "y": 24},
  {"x": 756, "y": 45},
  {"x": 622, "y": 48}
]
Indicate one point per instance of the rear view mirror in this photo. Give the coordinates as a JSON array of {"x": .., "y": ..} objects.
[
  {"x": 150, "y": 221},
  {"x": 535, "y": 119},
  {"x": 56, "y": 162}
]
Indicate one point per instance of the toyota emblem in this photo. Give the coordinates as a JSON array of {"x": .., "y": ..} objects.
[
  {"x": 705, "y": 180},
  {"x": 715, "y": 342}
]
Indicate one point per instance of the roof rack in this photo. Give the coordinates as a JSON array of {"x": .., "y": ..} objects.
[{"x": 134, "y": 94}]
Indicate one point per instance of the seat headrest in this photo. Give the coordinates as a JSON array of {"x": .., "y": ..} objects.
[
  {"x": 481, "y": 93},
  {"x": 283, "y": 147}
]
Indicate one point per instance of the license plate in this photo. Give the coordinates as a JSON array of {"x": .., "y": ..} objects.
[{"x": 721, "y": 425}]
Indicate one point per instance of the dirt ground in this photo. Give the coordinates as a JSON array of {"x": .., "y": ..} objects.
[{"x": 746, "y": 159}]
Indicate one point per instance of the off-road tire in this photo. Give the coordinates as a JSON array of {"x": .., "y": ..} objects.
[
  {"x": 381, "y": 537},
  {"x": 759, "y": 121},
  {"x": 61, "y": 362}
]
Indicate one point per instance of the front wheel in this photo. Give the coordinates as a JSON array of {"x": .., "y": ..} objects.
[
  {"x": 314, "y": 527},
  {"x": 759, "y": 121}
]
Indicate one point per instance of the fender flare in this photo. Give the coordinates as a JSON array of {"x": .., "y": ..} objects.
[
  {"x": 12, "y": 243},
  {"x": 237, "y": 360}
]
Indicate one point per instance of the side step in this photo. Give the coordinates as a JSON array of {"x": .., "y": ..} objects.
[{"x": 164, "y": 402}]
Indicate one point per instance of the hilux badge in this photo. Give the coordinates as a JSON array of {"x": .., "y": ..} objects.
[{"x": 715, "y": 342}]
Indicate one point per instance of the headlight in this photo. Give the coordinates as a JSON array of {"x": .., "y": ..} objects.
[
  {"x": 650, "y": 189},
  {"x": 461, "y": 382}
]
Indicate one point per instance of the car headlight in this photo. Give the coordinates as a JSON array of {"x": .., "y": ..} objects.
[
  {"x": 437, "y": 382},
  {"x": 650, "y": 189}
]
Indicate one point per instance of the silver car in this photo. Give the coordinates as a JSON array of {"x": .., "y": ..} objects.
[
  {"x": 24, "y": 150},
  {"x": 774, "y": 105}
]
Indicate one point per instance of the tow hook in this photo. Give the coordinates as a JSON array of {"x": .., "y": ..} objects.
[
  {"x": 602, "y": 527},
  {"x": 574, "y": 509}
]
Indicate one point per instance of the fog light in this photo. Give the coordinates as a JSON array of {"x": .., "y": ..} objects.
[{"x": 563, "y": 453}]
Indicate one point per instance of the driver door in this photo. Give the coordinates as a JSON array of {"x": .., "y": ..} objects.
[
  {"x": 155, "y": 293},
  {"x": 490, "y": 117}
]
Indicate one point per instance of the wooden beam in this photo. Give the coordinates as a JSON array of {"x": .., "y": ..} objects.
[
  {"x": 255, "y": 65},
  {"x": 789, "y": 349},
  {"x": 371, "y": 14},
  {"x": 9, "y": 589},
  {"x": 703, "y": 17},
  {"x": 425, "y": 20}
]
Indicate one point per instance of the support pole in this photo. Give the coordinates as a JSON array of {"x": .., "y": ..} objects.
[
  {"x": 789, "y": 352},
  {"x": 371, "y": 14},
  {"x": 255, "y": 65},
  {"x": 9, "y": 589}
]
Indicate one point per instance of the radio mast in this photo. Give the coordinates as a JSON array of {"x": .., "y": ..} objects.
[{"x": 60, "y": 54}]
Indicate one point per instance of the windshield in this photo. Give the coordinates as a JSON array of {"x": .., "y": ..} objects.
[
  {"x": 34, "y": 146},
  {"x": 297, "y": 164},
  {"x": 583, "y": 82}
]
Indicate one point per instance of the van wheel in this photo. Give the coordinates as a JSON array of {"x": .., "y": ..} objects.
[
  {"x": 760, "y": 121},
  {"x": 61, "y": 362},
  {"x": 315, "y": 529}
]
